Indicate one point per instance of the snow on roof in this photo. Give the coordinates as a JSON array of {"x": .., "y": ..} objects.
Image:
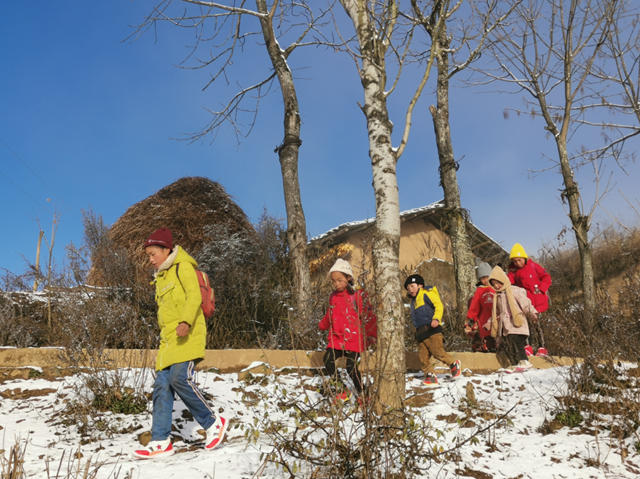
[{"x": 353, "y": 224}]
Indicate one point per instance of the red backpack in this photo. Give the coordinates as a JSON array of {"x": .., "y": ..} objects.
[{"x": 208, "y": 303}]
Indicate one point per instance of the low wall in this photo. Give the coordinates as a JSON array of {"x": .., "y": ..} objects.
[{"x": 233, "y": 360}]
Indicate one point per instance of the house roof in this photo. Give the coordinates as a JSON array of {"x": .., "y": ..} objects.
[{"x": 482, "y": 245}]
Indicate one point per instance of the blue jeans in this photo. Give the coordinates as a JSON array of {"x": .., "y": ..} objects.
[{"x": 177, "y": 378}]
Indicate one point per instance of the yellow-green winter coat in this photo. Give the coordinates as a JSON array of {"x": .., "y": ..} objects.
[{"x": 178, "y": 300}]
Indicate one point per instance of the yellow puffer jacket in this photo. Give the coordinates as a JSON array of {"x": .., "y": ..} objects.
[{"x": 179, "y": 300}]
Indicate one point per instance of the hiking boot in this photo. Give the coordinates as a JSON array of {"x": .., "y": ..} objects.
[
  {"x": 215, "y": 434},
  {"x": 529, "y": 350},
  {"x": 542, "y": 352},
  {"x": 155, "y": 449},
  {"x": 456, "y": 369},
  {"x": 430, "y": 381}
]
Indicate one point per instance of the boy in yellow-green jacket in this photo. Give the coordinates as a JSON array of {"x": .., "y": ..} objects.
[
  {"x": 426, "y": 315},
  {"x": 183, "y": 333}
]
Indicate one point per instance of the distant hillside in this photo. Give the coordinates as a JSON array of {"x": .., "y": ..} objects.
[{"x": 616, "y": 257}]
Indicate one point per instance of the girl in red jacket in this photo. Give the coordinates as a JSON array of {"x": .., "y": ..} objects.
[
  {"x": 479, "y": 313},
  {"x": 351, "y": 326},
  {"x": 527, "y": 274}
]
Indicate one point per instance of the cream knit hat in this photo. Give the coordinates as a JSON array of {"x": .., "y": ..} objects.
[{"x": 341, "y": 266}]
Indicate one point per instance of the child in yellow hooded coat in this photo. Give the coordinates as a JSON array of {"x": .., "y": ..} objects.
[{"x": 183, "y": 333}]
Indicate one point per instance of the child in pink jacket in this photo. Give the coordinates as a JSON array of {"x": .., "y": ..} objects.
[
  {"x": 351, "y": 326},
  {"x": 509, "y": 319}
]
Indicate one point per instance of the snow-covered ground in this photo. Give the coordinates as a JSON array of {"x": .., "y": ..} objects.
[{"x": 34, "y": 413}]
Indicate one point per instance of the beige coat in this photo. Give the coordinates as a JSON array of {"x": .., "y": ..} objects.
[
  {"x": 511, "y": 306},
  {"x": 503, "y": 312}
]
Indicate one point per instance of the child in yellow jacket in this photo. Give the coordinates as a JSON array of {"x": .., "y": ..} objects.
[
  {"x": 183, "y": 335},
  {"x": 426, "y": 315}
]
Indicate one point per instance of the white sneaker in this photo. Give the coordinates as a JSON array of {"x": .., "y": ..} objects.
[
  {"x": 155, "y": 449},
  {"x": 215, "y": 434},
  {"x": 525, "y": 364}
]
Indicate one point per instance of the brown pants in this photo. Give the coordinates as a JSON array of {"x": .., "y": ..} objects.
[{"x": 433, "y": 346}]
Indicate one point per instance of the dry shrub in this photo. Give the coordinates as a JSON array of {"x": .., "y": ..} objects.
[
  {"x": 602, "y": 389},
  {"x": 252, "y": 282},
  {"x": 12, "y": 462},
  {"x": 71, "y": 467},
  {"x": 612, "y": 331},
  {"x": 100, "y": 319},
  {"x": 346, "y": 441},
  {"x": 15, "y": 330},
  {"x": 101, "y": 398}
]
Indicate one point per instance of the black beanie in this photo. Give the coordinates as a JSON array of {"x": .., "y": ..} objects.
[{"x": 414, "y": 278}]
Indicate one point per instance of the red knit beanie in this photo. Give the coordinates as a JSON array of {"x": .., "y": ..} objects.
[{"x": 160, "y": 237}]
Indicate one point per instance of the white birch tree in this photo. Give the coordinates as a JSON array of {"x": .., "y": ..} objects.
[{"x": 375, "y": 24}]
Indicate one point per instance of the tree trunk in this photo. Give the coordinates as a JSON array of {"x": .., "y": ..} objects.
[
  {"x": 390, "y": 356},
  {"x": 288, "y": 156},
  {"x": 580, "y": 224},
  {"x": 463, "y": 258}
]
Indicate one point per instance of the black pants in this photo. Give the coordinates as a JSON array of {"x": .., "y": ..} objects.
[
  {"x": 513, "y": 345},
  {"x": 329, "y": 360},
  {"x": 483, "y": 345}
]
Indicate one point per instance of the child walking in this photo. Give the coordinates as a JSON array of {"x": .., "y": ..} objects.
[
  {"x": 511, "y": 308},
  {"x": 351, "y": 326},
  {"x": 479, "y": 312},
  {"x": 182, "y": 342},
  {"x": 527, "y": 274},
  {"x": 426, "y": 315}
]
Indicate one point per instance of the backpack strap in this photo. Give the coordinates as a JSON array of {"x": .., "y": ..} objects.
[
  {"x": 426, "y": 297},
  {"x": 354, "y": 301},
  {"x": 178, "y": 276}
]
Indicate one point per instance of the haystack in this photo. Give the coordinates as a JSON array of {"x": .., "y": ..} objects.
[{"x": 187, "y": 207}]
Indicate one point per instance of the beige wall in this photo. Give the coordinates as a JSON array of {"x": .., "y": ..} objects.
[{"x": 419, "y": 241}]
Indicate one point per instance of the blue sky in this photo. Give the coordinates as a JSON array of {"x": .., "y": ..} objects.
[{"x": 89, "y": 121}]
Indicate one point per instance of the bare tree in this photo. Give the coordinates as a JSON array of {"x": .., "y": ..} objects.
[
  {"x": 454, "y": 53},
  {"x": 375, "y": 25},
  {"x": 226, "y": 28},
  {"x": 623, "y": 51},
  {"x": 549, "y": 52}
]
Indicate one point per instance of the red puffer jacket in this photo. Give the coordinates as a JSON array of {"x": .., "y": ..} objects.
[
  {"x": 480, "y": 308},
  {"x": 349, "y": 330},
  {"x": 532, "y": 276}
]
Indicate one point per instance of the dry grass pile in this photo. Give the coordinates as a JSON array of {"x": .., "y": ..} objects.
[{"x": 188, "y": 207}]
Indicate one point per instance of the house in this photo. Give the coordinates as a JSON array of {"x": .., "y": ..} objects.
[{"x": 424, "y": 246}]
